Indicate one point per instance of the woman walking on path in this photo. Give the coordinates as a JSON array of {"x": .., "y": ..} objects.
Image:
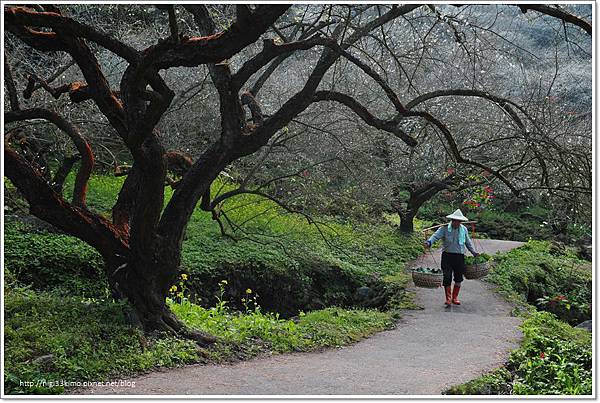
[{"x": 456, "y": 237}]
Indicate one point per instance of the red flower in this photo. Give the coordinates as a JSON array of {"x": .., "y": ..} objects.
[
  {"x": 450, "y": 171},
  {"x": 542, "y": 355},
  {"x": 305, "y": 173}
]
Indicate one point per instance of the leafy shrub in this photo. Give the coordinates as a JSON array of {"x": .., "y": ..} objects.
[
  {"x": 562, "y": 307},
  {"x": 512, "y": 226},
  {"x": 533, "y": 273},
  {"x": 481, "y": 258},
  {"x": 287, "y": 290},
  {"x": 554, "y": 359},
  {"x": 493, "y": 222}
]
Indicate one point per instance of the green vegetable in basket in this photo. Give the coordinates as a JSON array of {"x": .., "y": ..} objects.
[
  {"x": 482, "y": 258},
  {"x": 427, "y": 270}
]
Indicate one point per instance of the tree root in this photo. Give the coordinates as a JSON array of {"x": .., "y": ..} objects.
[
  {"x": 172, "y": 325},
  {"x": 201, "y": 338}
]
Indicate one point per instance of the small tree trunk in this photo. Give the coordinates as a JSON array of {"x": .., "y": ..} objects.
[
  {"x": 63, "y": 171},
  {"x": 406, "y": 221}
]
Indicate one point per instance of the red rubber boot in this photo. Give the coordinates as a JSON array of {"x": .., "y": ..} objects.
[
  {"x": 448, "y": 291},
  {"x": 455, "y": 292}
]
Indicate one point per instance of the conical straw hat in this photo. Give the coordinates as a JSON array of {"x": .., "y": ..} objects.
[{"x": 457, "y": 215}]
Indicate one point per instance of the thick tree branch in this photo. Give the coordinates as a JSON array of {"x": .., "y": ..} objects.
[
  {"x": 125, "y": 204},
  {"x": 248, "y": 100},
  {"x": 78, "y": 92},
  {"x": 20, "y": 18},
  {"x": 62, "y": 172},
  {"x": 302, "y": 99},
  {"x": 103, "y": 96},
  {"x": 47, "y": 205},
  {"x": 269, "y": 52},
  {"x": 558, "y": 13},
  {"x": 191, "y": 188},
  {"x": 85, "y": 151},
  {"x": 366, "y": 116},
  {"x": 306, "y": 32},
  {"x": 31, "y": 150},
  {"x": 218, "y": 47},
  {"x": 232, "y": 113},
  {"x": 44, "y": 41},
  {"x": 173, "y": 23},
  {"x": 36, "y": 86},
  {"x": 13, "y": 96}
]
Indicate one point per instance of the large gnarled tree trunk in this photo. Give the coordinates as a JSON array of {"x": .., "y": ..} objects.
[{"x": 142, "y": 244}]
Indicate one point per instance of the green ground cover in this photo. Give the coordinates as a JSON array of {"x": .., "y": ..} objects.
[{"x": 291, "y": 287}]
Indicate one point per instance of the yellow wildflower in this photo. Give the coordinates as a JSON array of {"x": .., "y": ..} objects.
[
  {"x": 248, "y": 291},
  {"x": 184, "y": 276}
]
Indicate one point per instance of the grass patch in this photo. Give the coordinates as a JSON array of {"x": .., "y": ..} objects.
[
  {"x": 497, "y": 382},
  {"x": 56, "y": 337},
  {"x": 52, "y": 337},
  {"x": 52, "y": 261},
  {"x": 331, "y": 327}
]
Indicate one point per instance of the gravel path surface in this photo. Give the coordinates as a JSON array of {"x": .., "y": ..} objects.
[{"x": 429, "y": 351}]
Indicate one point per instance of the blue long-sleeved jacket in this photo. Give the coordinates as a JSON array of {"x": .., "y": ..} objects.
[{"x": 451, "y": 244}]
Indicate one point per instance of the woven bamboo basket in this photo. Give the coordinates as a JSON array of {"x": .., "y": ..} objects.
[
  {"x": 427, "y": 280},
  {"x": 475, "y": 271}
]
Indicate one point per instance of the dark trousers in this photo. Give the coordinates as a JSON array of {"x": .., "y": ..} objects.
[{"x": 453, "y": 264}]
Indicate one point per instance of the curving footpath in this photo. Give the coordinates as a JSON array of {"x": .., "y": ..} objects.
[{"x": 429, "y": 351}]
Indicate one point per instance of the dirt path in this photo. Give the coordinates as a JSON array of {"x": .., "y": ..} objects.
[{"x": 429, "y": 351}]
